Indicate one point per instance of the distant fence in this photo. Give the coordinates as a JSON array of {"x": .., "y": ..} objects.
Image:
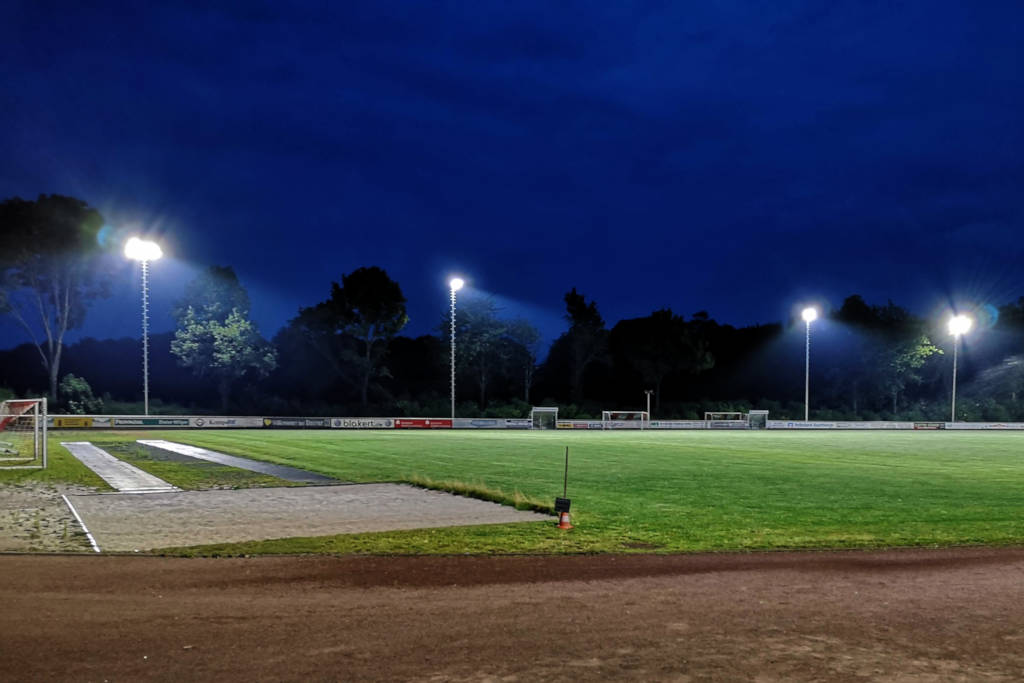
[{"x": 251, "y": 422}]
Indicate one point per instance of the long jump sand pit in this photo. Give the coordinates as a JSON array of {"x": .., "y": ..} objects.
[{"x": 138, "y": 522}]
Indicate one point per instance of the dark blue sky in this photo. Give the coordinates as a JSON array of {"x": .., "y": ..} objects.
[{"x": 737, "y": 157}]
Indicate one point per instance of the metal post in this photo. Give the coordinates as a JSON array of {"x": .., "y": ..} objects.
[
  {"x": 145, "y": 336},
  {"x": 807, "y": 373},
  {"x": 956, "y": 344},
  {"x": 648, "y": 392},
  {"x": 452, "y": 290}
]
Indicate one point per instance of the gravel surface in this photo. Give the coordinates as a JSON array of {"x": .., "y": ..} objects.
[
  {"x": 129, "y": 522},
  {"x": 34, "y": 518}
]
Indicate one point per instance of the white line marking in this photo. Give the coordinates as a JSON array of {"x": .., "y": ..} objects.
[{"x": 84, "y": 528}]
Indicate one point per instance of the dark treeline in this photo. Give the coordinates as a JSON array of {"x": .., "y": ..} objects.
[{"x": 346, "y": 356}]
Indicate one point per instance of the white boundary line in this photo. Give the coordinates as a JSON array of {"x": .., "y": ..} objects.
[{"x": 84, "y": 528}]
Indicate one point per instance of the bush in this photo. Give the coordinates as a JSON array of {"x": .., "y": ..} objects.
[{"x": 76, "y": 397}]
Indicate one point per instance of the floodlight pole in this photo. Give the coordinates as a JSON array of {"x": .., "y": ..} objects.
[
  {"x": 956, "y": 345},
  {"x": 648, "y": 392},
  {"x": 810, "y": 313},
  {"x": 452, "y": 290},
  {"x": 807, "y": 373},
  {"x": 958, "y": 325},
  {"x": 145, "y": 336},
  {"x": 144, "y": 252}
]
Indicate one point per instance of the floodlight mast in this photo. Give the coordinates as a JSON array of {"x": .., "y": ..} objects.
[
  {"x": 809, "y": 315},
  {"x": 958, "y": 325},
  {"x": 144, "y": 251},
  {"x": 454, "y": 285}
]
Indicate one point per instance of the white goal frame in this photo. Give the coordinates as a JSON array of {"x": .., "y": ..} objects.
[
  {"x": 726, "y": 420},
  {"x": 26, "y": 418},
  {"x": 625, "y": 419},
  {"x": 540, "y": 415}
]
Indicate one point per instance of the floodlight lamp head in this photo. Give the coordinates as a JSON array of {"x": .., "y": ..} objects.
[
  {"x": 959, "y": 324},
  {"x": 456, "y": 283},
  {"x": 810, "y": 314},
  {"x": 142, "y": 250}
]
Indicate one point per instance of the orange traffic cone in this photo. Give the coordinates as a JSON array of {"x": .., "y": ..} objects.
[{"x": 563, "y": 521}]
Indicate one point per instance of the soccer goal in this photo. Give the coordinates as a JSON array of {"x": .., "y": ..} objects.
[
  {"x": 23, "y": 433},
  {"x": 544, "y": 418},
  {"x": 726, "y": 420},
  {"x": 625, "y": 419}
]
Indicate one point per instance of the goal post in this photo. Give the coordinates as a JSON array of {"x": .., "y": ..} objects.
[
  {"x": 625, "y": 419},
  {"x": 23, "y": 433},
  {"x": 726, "y": 420},
  {"x": 542, "y": 417}
]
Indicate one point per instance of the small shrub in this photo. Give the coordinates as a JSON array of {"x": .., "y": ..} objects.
[{"x": 77, "y": 397}]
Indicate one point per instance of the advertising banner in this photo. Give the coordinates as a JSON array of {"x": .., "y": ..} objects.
[
  {"x": 422, "y": 423},
  {"x": 678, "y": 424},
  {"x": 519, "y": 423},
  {"x": 362, "y": 423},
  {"x": 151, "y": 422},
  {"x": 579, "y": 424},
  {"x": 929, "y": 425},
  {"x": 227, "y": 422},
  {"x": 780, "y": 424},
  {"x": 849, "y": 424},
  {"x": 478, "y": 423},
  {"x": 297, "y": 422},
  {"x": 874, "y": 425},
  {"x": 77, "y": 422},
  {"x": 985, "y": 425},
  {"x": 621, "y": 424}
]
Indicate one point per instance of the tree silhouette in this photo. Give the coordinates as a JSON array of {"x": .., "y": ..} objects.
[{"x": 51, "y": 269}]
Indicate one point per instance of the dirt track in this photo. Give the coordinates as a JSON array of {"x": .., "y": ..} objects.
[{"x": 905, "y": 615}]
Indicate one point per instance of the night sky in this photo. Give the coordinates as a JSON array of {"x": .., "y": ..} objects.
[{"x": 743, "y": 158}]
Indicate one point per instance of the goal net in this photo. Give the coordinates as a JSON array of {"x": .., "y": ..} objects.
[
  {"x": 23, "y": 433},
  {"x": 726, "y": 420},
  {"x": 544, "y": 418},
  {"x": 625, "y": 419}
]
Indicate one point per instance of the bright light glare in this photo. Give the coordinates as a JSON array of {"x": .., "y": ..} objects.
[
  {"x": 456, "y": 283},
  {"x": 142, "y": 250},
  {"x": 810, "y": 314},
  {"x": 959, "y": 324}
]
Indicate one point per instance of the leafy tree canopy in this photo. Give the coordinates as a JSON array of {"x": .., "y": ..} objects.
[
  {"x": 52, "y": 269},
  {"x": 351, "y": 330},
  {"x": 215, "y": 337},
  {"x": 213, "y": 295}
]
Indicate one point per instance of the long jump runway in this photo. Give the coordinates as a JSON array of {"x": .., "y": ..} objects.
[{"x": 128, "y": 522}]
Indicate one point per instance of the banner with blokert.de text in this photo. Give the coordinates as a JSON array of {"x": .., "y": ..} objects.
[{"x": 422, "y": 423}]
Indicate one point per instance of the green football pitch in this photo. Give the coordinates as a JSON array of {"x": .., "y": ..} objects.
[{"x": 673, "y": 491}]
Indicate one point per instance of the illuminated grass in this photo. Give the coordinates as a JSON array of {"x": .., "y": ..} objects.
[
  {"x": 672, "y": 491},
  {"x": 62, "y": 467}
]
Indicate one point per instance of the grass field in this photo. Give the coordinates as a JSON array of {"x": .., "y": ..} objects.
[{"x": 667, "y": 491}]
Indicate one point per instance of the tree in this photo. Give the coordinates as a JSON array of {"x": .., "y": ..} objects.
[
  {"x": 215, "y": 338},
  {"x": 525, "y": 338},
  {"x": 587, "y": 339},
  {"x": 479, "y": 336},
  {"x": 52, "y": 268},
  {"x": 661, "y": 345},
  {"x": 213, "y": 294},
  {"x": 890, "y": 348},
  {"x": 352, "y": 329}
]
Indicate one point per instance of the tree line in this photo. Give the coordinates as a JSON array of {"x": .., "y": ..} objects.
[{"x": 346, "y": 354}]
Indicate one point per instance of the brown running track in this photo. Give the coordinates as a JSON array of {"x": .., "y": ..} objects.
[{"x": 913, "y": 615}]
